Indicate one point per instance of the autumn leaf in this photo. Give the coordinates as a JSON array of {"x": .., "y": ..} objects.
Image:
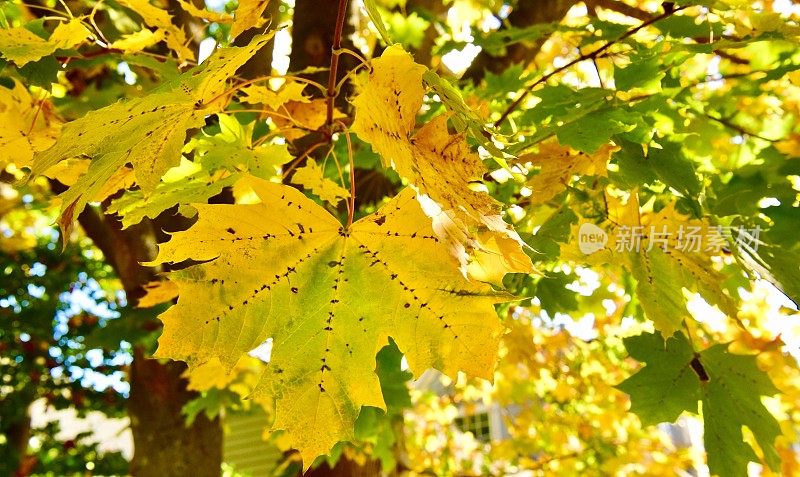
[
  {"x": 232, "y": 149},
  {"x": 557, "y": 166},
  {"x": 438, "y": 165},
  {"x": 22, "y": 46},
  {"x": 138, "y": 41},
  {"x": 728, "y": 385},
  {"x": 160, "y": 19},
  {"x": 312, "y": 177},
  {"x": 329, "y": 298},
  {"x": 27, "y": 125},
  {"x": 260, "y": 94},
  {"x": 207, "y": 15},
  {"x": 248, "y": 15},
  {"x": 147, "y": 132}
]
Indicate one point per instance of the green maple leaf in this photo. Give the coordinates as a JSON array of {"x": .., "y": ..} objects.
[
  {"x": 729, "y": 386},
  {"x": 330, "y": 298},
  {"x": 148, "y": 132}
]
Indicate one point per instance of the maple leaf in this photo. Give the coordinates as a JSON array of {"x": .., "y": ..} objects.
[
  {"x": 662, "y": 264},
  {"x": 147, "y": 132},
  {"x": 22, "y": 46},
  {"x": 729, "y": 386},
  {"x": 27, "y": 125},
  {"x": 558, "y": 164},
  {"x": 329, "y": 298},
  {"x": 248, "y": 15},
  {"x": 312, "y": 177},
  {"x": 159, "y": 18},
  {"x": 232, "y": 149},
  {"x": 259, "y": 94},
  {"x": 439, "y": 165}
]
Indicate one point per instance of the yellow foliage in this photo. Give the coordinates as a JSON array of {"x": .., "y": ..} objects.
[
  {"x": 558, "y": 164},
  {"x": 22, "y": 46},
  {"x": 27, "y": 125},
  {"x": 248, "y": 15}
]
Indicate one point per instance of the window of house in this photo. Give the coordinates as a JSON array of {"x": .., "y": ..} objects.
[{"x": 477, "y": 424}]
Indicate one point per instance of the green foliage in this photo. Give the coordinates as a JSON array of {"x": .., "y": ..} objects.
[{"x": 729, "y": 386}]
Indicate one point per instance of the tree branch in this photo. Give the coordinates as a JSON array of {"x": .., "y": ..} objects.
[
  {"x": 335, "y": 52},
  {"x": 586, "y": 56},
  {"x": 620, "y": 7},
  {"x": 526, "y": 13}
]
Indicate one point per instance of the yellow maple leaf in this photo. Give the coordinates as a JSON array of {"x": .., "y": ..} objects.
[
  {"x": 27, "y": 125},
  {"x": 207, "y": 15},
  {"x": 558, "y": 164},
  {"x": 248, "y": 15},
  {"x": 440, "y": 166},
  {"x": 259, "y": 94},
  {"x": 329, "y": 297},
  {"x": 156, "y": 293},
  {"x": 148, "y": 132},
  {"x": 312, "y": 177},
  {"x": 22, "y": 46},
  {"x": 138, "y": 41},
  {"x": 159, "y": 18},
  {"x": 297, "y": 118}
]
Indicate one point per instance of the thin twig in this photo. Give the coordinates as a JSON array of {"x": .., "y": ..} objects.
[
  {"x": 336, "y": 47},
  {"x": 297, "y": 161},
  {"x": 351, "y": 207},
  {"x": 591, "y": 55},
  {"x": 735, "y": 127}
]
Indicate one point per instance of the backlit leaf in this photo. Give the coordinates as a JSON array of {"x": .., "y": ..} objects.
[
  {"x": 728, "y": 385},
  {"x": 159, "y": 18},
  {"x": 22, "y": 46},
  {"x": 147, "y": 132},
  {"x": 329, "y": 298},
  {"x": 248, "y": 15},
  {"x": 312, "y": 177},
  {"x": 439, "y": 165}
]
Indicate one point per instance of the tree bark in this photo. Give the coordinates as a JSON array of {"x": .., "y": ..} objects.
[
  {"x": 163, "y": 445},
  {"x": 313, "y": 29}
]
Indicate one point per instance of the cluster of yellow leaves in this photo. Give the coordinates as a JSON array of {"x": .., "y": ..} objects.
[
  {"x": 157, "y": 18},
  {"x": 439, "y": 166},
  {"x": 27, "y": 125},
  {"x": 148, "y": 132},
  {"x": 560, "y": 412},
  {"x": 22, "y": 46}
]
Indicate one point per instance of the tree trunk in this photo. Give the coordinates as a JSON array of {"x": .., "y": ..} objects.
[
  {"x": 527, "y": 13},
  {"x": 165, "y": 447}
]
